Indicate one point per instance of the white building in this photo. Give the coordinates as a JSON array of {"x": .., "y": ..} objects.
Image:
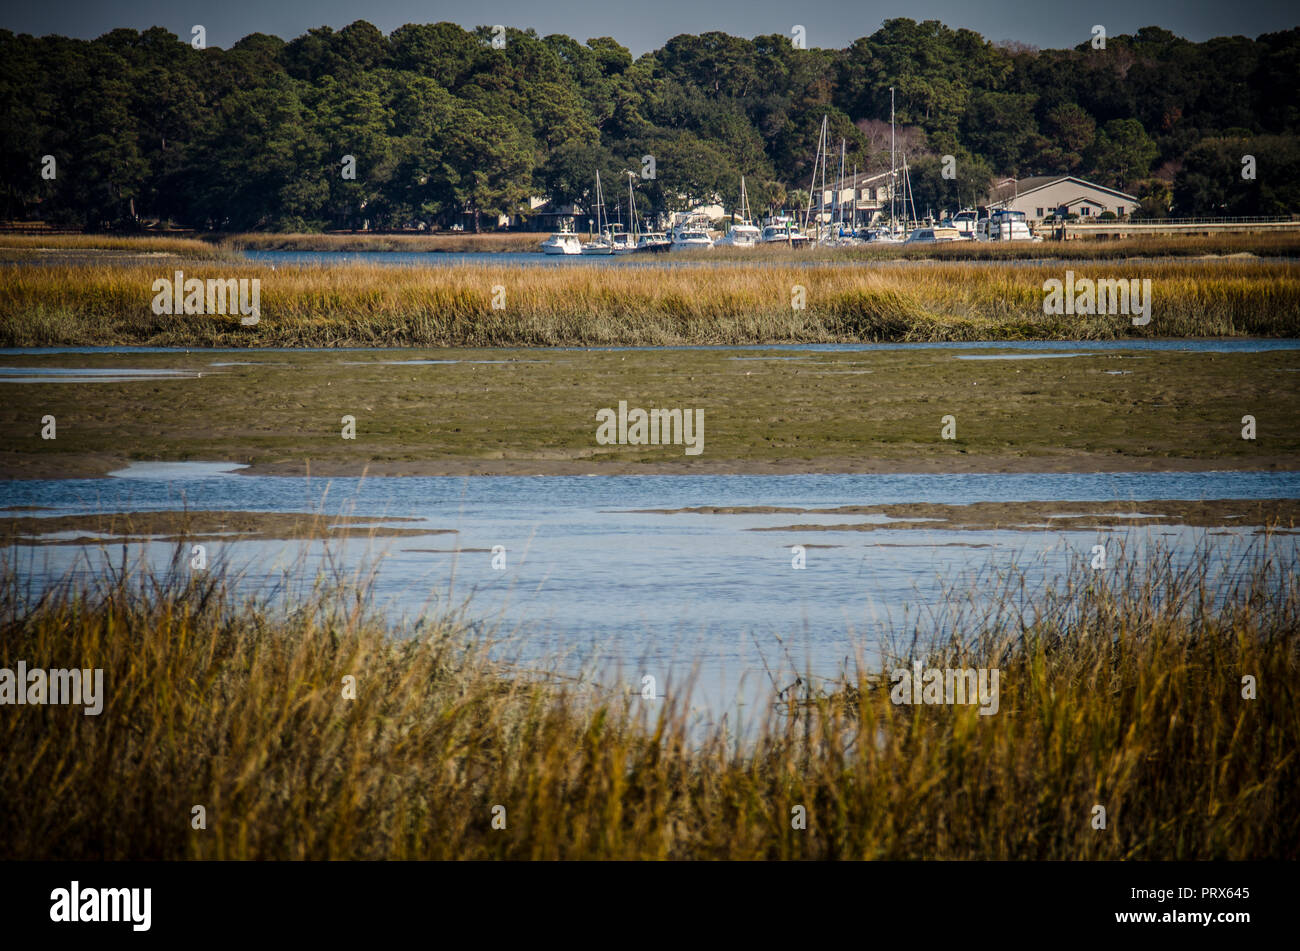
[{"x": 1046, "y": 195}]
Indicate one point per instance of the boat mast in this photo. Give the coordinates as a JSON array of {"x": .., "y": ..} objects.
[
  {"x": 631, "y": 207},
  {"x": 853, "y": 220},
  {"x": 826, "y": 154},
  {"x": 893, "y": 173},
  {"x": 839, "y": 192},
  {"x": 911, "y": 198},
  {"x": 818, "y": 160}
]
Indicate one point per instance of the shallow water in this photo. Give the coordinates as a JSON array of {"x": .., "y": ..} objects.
[
  {"x": 702, "y": 258},
  {"x": 588, "y": 578},
  {"x": 85, "y": 374},
  {"x": 1177, "y": 344}
]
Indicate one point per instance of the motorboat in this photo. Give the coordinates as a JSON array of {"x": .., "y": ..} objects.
[
  {"x": 884, "y": 236},
  {"x": 562, "y": 242},
  {"x": 621, "y": 241},
  {"x": 691, "y": 240},
  {"x": 654, "y": 241},
  {"x": 786, "y": 233},
  {"x": 964, "y": 221},
  {"x": 936, "y": 235},
  {"x": 693, "y": 222},
  {"x": 741, "y": 236},
  {"x": 1004, "y": 224}
]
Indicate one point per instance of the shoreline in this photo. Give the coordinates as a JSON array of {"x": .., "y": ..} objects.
[
  {"x": 93, "y": 466},
  {"x": 1274, "y": 516}
]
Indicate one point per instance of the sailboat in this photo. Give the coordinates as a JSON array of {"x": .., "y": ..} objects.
[
  {"x": 643, "y": 240},
  {"x": 743, "y": 234},
  {"x": 602, "y": 244},
  {"x": 625, "y": 242},
  {"x": 892, "y": 235},
  {"x": 819, "y": 165},
  {"x": 909, "y": 201},
  {"x": 837, "y": 236}
]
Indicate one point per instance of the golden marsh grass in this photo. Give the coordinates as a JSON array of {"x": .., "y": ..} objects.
[
  {"x": 724, "y": 303},
  {"x": 152, "y": 244},
  {"x": 1125, "y": 693}
]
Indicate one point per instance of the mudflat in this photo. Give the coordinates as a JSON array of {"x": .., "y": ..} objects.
[
  {"x": 1276, "y": 515},
  {"x": 197, "y": 525},
  {"x": 533, "y": 411}
]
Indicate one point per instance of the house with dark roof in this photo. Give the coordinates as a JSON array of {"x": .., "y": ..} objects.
[{"x": 1046, "y": 195}]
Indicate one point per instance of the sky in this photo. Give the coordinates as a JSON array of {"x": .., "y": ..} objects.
[{"x": 646, "y": 25}]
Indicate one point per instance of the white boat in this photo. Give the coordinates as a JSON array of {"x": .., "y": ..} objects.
[
  {"x": 964, "y": 221},
  {"x": 743, "y": 234},
  {"x": 621, "y": 241},
  {"x": 936, "y": 235},
  {"x": 691, "y": 240},
  {"x": 695, "y": 222},
  {"x": 602, "y": 243},
  {"x": 1004, "y": 225},
  {"x": 653, "y": 241},
  {"x": 784, "y": 232},
  {"x": 562, "y": 242},
  {"x": 884, "y": 236},
  {"x": 832, "y": 240},
  {"x": 626, "y": 243}
]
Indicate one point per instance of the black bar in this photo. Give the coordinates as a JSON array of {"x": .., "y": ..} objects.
[{"x": 586, "y": 904}]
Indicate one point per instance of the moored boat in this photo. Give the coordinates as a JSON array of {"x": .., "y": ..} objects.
[
  {"x": 784, "y": 232},
  {"x": 691, "y": 240},
  {"x": 653, "y": 241},
  {"x": 1004, "y": 225},
  {"x": 964, "y": 221},
  {"x": 562, "y": 242},
  {"x": 741, "y": 235},
  {"x": 744, "y": 233},
  {"x": 936, "y": 235},
  {"x": 602, "y": 244}
]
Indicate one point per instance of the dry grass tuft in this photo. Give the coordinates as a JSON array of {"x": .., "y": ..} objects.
[{"x": 1126, "y": 694}]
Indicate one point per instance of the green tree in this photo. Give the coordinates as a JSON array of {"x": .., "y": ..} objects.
[
  {"x": 1122, "y": 154},
  {"x": 1000, "y": 126},
  {"x": 1211, "y": 183}
]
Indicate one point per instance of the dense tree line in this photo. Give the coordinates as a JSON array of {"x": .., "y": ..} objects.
[{"x": 442, "y": 123}]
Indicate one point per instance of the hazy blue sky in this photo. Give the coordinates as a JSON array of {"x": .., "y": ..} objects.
[{"x": 646, "y": 25}]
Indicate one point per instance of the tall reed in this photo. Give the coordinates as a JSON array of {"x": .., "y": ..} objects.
[
  {"x": 33, "y": 245},
  {"x": 604, "y": 304},
  {"x": 1125, "y": 694}
]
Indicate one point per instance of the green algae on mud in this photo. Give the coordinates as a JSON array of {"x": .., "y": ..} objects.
[{"x": 440, "y": 412}]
